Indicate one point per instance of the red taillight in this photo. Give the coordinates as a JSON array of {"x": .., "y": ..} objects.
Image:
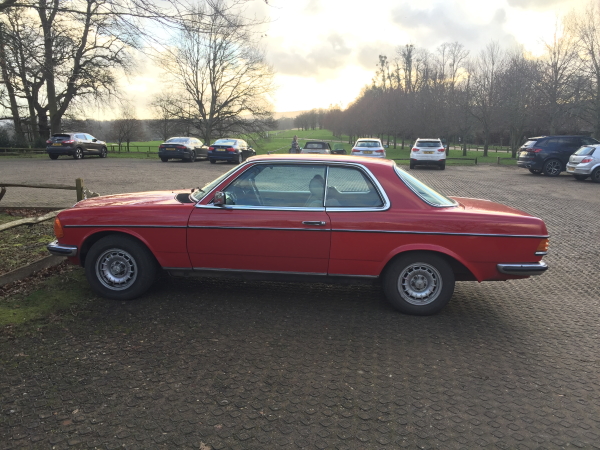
[
  {"x": 70, "y": 141},
  {"x": 49, "y": 141},
  {"x": 415, "y": 149},
  {"x": 378, "y": 151},
  {"x": 535, "y": 150},
  {"x": 441, "y": 149},
  {"x": 586, "y": 160},
  {"x": 230, "y": 149},
  {"x": 355, "y": 150},
  {"x": 211, "y": 148}
]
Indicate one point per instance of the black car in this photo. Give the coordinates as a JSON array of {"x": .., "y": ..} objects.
[
  {"x": 186, "y": 148},
  {"x": 231, "y": 150},
  {"x": 76, "y": 145},
  {"x": 550, "y": 154}
]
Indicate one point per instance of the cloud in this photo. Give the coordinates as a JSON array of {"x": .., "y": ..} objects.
[
  {"x": 531, "y": 4},
  {"x": 445, "y": 22},
  {"x": 368, "y": 54},
  {"x": 313, "y": 7},
  {"x": 330, "y": 54}
]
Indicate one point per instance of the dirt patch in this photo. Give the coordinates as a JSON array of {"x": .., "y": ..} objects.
[{"x": 24, "y": 244}]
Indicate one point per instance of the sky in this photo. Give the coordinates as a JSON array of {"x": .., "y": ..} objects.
[{"x": 324, "y": 52}]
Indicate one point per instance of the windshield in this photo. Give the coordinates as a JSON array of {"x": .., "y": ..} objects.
[
  {"x": 426, "y": 194},
  {"x": 224, "y": 142},
  {"x": 585, "y": 151},
  {"x": 201, "y": 193}
]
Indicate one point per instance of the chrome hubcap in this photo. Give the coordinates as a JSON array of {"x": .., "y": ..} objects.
[
  {"x": 116, "y": 269},
  {"x": 419, "y": 284}
]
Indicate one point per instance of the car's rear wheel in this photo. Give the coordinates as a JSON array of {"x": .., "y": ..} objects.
[
  {"x": 412, "y": 165},
  {"x": 78, "y": 153},
  {"x": 53, "y": 156},
  {"x": 535, "y": 171},
  {"x": 103, "y": 152},
  {"x": 163, "y": 159},
  {"x": 192, "y": 156},
  {"x": 239, "y": 158},
  {"x": 552, "y": 168},
  {"x": 596, "y": 175},
  {"x": 580, "y": 177},
  {"x": 419, "y": 283},
  {"x": 120, "y": 268},
  {"x": 443, "y": 166},
  {"x": 212, "y": 161}
]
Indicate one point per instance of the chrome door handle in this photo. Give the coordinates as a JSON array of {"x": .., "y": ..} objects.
[{"x": 313, "y": 222}]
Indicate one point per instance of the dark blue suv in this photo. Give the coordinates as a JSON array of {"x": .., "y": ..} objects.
[{"x": 550, "y": 154}]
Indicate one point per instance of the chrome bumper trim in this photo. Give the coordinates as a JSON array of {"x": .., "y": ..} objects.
[
  {"x": 526, "y": 269},
  {"x": 61, "y": 250}
]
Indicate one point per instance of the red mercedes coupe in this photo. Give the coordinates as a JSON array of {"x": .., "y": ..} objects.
[{"x": 318, "y": 218}]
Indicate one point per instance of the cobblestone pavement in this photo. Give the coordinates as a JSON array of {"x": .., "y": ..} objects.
[{"x": 213, "y": 364}]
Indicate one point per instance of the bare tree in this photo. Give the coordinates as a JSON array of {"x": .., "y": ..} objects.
[
  {"x": 126, "y": 128},
  {"x": 166, "y": 113},
  {"x": 222, "y": 72}
]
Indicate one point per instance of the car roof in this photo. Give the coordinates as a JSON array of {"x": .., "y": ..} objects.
[
  {"x": 323, "y": 158},
  {"x": 557, "y": 135},
  {"x": 369, "y": 139}
]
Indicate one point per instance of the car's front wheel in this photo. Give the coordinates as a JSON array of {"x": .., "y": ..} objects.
[
  {"x": 580, "y": 177},
  {"x": 78, "y": 153},
  {"x": 552, "y": 168},
  {"x": 596, "y": 175},
  {"x": 103, "y": 152},
  {"x": 120, "y": 268},
  {"x": 419, "y": 283}
]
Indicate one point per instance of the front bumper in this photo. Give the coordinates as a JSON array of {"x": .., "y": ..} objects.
[
  {"x": 523, "y": 269},
  {"x": 61, "y": 250}
]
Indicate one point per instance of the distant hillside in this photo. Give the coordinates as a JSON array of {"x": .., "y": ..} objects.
[{"x": 287, "y": 115}]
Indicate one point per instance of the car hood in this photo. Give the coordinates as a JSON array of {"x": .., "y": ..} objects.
[{"x": 132, "y": 199}]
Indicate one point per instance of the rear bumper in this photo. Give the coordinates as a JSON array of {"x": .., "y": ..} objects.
[
  {"x": 223, "y": 156},
  {"x": 60, "y": 150},
  {"x": 62, "y": 250},
  {"x": 428, "y": 162},
  {"x": 529, "y": 164},
  {"x": 174, "y": 154},
  {"x": 575, "y": 169},
  {"x": 523, "y": 269}
]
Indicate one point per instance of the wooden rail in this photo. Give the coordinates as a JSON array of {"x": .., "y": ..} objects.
[{"x": 79, "y": 187}]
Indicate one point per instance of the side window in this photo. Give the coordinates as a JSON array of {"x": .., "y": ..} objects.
[
  {"x": 279, "y": 185},
  {"x": 350, "y": 188},
  {"x": 89, "y": 137},
  {"x": 588, "y": 141},
  {"x": 80, "y": 137}
]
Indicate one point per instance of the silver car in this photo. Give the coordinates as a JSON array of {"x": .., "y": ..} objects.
[{"x": 585, "y": 162}]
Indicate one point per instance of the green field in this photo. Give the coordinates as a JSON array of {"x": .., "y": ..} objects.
[{"x": 280, "y": 142}]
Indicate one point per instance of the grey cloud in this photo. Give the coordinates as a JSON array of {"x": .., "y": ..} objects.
[
  {"x": 447, "y": 23},
  {"x": 313, "y": 7},
  {"x": 542, "y": 4},
  {"x": 330, "y": 54},
  {"x": 368, "y": 54}
]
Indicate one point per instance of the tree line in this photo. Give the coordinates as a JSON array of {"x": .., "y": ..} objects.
[
  {"x": 499, "y": 96},
  {"x": 60, "y": 59}
]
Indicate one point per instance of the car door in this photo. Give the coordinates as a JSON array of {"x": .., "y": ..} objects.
[
  {"x": 92, "y": 144},
  {"x": 274, "y": 221},
  {"x": 82, "y": 142}
]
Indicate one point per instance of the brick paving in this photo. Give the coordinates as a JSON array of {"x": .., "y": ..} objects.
[{"x": 215, "y": 364}]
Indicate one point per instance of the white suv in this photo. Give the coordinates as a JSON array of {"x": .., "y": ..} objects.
[
  {"x": 368, "y": 147},
  {"x": 428, "y": 152}
]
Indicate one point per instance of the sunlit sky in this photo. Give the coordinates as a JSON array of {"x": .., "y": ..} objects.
[{"x": 325, "y": 51}]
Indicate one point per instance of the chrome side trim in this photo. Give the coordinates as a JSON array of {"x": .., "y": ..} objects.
[
  {"x": 258, "y": 271},
  {"x": 540, "y": 253},
  {"x": 525, "y": 269},
  {"x": 258, "y": 228},
  {"x": 61, "y": 250},
  {"x": 124, "y": 226},
  {"x": 440, "y": 233}
]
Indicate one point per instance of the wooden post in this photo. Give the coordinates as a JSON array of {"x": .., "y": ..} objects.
[
  {"x": 476, "y": 160},
  {"x": 79, "y": 186},
  {"x": 498, "y": 159}
]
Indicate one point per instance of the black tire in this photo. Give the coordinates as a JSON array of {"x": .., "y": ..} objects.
[
  {"x": 78, "y": 153},
  {"x": 239, "y": 159},
  {"x": 596, "y": 175},
  {"x": 536, "y": 171},
  {"x": 163, "y": 159},
  {"x": 443, "y": 166},
  {"x": 103, "y": 152},
  {"x": 411, "y": 165},
  {"x": 53, "y": 156},
  {"x": 120, "y": 268},
  {"x": 419, "y": 283},
  {"x": 552, "y": 168},
  {"x": 192, "y": 157},
  {"x": 212, "y": 161},
  {"x": 580, "y": 177}
]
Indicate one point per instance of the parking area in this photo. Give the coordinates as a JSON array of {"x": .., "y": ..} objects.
[{"x": 227, "y": 364}]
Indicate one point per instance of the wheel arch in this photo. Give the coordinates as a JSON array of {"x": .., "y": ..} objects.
[
  {"x": 463, "y": 271},
  {"x": 90, "y": 240}
]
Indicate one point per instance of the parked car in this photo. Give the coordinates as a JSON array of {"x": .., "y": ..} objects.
[
  {"x": 338, "y": 149},
  {"x": 369, "y": 147},
  {"x": 318, "y": 218},
  {"x": 585, "y": 162},
  {"x": 549, "y": 154},
  {"x": 230, "y": 150},
  {"x": 185, "y": 148},
  {"x": 316, "y": 147},
  {"x": 75, "y": 144},
  {"x": 428, "y": 152}
]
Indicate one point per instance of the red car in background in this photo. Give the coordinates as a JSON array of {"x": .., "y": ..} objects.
[{"x": 304, "y": 217}]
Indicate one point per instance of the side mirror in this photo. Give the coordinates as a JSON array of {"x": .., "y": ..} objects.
[
  {"x": 94, "y": 140},
  {"x": 220, "y": 198},
  {"x": 386, "y": 146}
]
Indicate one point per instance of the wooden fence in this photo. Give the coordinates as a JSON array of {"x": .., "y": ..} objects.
[{"x": 79, "y": 187}]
